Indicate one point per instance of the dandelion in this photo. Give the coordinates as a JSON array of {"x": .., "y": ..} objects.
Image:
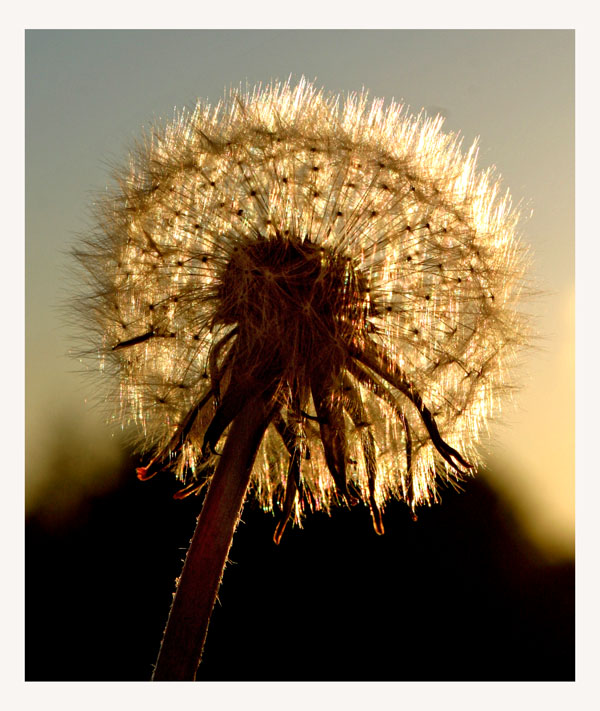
[{"x": 328, "y": 287}]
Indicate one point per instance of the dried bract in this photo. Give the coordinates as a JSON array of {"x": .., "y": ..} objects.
[{"x": 342, "y": 260}]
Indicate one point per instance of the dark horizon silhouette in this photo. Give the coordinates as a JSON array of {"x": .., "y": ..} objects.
[{"x": 459, "y": 595}]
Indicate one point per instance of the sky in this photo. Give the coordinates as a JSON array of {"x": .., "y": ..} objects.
[{"x": 89, "y": 93}]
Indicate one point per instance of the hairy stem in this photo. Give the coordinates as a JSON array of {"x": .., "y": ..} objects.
[{"x": 185, "y": 633}]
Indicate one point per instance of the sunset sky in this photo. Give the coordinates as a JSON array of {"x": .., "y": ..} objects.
[{"x": 88, "y": 95}]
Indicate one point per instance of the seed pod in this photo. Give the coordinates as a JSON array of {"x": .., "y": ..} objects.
[{"x": 340, "y": 258}]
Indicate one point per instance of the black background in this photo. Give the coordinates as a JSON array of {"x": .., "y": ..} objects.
[{"x": 458, "y": 595}]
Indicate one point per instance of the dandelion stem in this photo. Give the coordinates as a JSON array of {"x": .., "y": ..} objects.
[{"x": 185, "y": 633}]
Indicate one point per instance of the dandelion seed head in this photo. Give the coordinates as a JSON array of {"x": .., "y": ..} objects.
[{"x": 341, "y": 256}]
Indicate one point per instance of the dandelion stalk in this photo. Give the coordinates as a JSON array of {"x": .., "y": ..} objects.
[
  {"x": 329, "y": 286},
  {"x": 185, "y": 634}
]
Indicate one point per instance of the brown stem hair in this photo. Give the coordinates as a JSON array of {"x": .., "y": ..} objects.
[{"x": 185, "y": 633}]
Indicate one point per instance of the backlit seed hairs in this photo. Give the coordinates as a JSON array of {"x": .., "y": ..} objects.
[{"x": 338, "y": 258}]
